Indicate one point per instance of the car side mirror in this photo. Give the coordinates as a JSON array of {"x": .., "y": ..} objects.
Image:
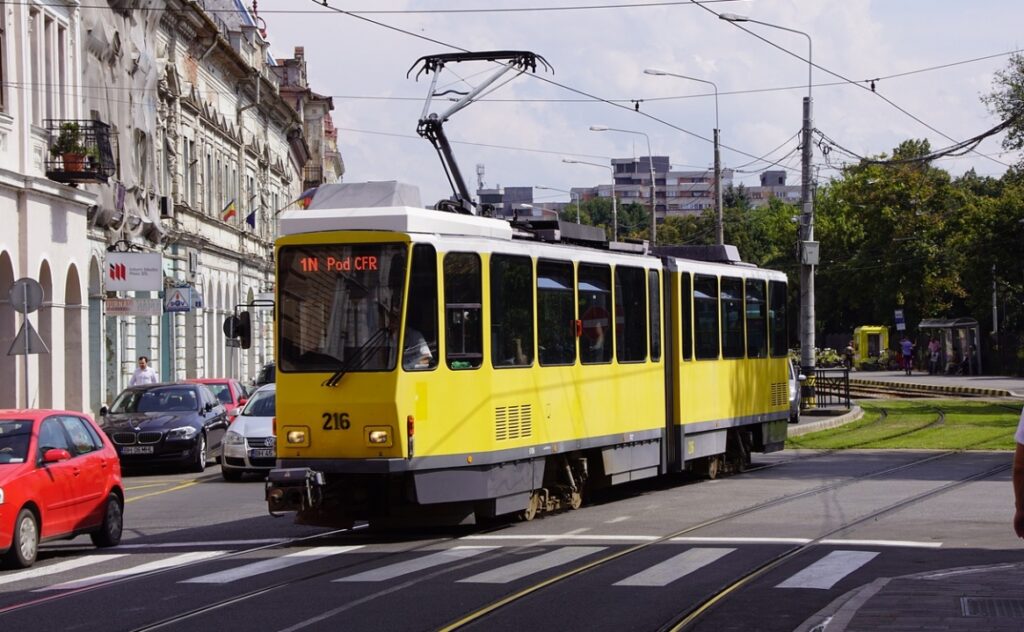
[
  {"x": 243, "y": 401},
  {"x": 207, "y": 407},
  {"x": 104, "y": 411},
  {"x": 56, "y": 455}
]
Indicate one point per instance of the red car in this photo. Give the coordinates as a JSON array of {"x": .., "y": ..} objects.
[
  {"x": 59, "y": 477},
  {"x": 229, "y": 391}
]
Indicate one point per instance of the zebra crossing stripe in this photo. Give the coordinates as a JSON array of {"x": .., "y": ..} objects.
[
  {"x": 270, "y": 565},
  {"x": 518, "y": 570},
  {"x": 53, "y": 569},
  {"x": 170, "y": 562},
  {"x": 826, "y": 572},
  {"x": 418, "y": 564},
  {"x": 675, "y": 567}
]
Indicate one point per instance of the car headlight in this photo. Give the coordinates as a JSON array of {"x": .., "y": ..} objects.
[
  {"x": 233, "y": 438},
  {"x": 185, "y": 432}
]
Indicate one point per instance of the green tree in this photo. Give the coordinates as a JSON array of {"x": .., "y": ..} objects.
[{"x": 1007, "y": 101}]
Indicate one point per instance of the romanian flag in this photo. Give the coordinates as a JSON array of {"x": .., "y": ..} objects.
[{"x": 229, "y": 212}]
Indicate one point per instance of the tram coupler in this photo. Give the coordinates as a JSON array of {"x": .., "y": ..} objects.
[{"x": 294, "y": 489}]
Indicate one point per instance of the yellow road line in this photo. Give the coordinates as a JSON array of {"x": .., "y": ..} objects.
[
  {"x": 160, "y": 484},
  {"x": 165, "y": 491}
]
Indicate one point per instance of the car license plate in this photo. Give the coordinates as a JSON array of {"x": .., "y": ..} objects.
[
  {"x": 137, "y": 449},
  {"x": 262, "y": 453}
]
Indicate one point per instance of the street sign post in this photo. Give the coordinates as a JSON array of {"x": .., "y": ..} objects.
[{"x": 26, "y": 295}]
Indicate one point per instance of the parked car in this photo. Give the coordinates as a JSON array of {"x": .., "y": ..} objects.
[
  {"x": 795, "y": 378},
  {"x": 250, "y": 445},
  {"x": 59, "y": 478},
  {"x": 166, "y": 423},
  {"x": 266, "y": 375},
  {"x": 230, "y": 392}
]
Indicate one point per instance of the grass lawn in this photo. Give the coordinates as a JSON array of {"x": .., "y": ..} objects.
[{"x": 950, "y": 424}]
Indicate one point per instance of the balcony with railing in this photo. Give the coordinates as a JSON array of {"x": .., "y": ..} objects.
[
  {"x": 312, "y": 176},
  {"x": 79, "y": 151}
]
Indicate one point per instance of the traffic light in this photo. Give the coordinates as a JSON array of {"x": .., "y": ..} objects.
[
  {"x": 243, "y": 329},
  {"x": 231, "y": 326}
]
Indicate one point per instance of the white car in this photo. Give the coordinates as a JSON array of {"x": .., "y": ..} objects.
[{"x": 249, "y": 444}]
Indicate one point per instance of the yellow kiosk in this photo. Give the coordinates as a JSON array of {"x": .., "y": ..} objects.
[{"x": 870, "y": 342}]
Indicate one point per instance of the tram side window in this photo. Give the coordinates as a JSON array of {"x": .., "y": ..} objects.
[
  {"x": 705, "y": 307},
  {"x": 556, "y": 313},
  {"x": 462, "y": 311},
  {"x": 630, "y": 314},
  {"x": 512, "y": 310},
  {"x": 654, "y": 305},
  {"x": 778, "y": 328},
  {"x": 756, "y": 309},
  {"x": 595, "y": 303},
  {"x": 732, "y": 317},
  {"x": 686, "y": 314},
  {"x": 419, "y": 344}
]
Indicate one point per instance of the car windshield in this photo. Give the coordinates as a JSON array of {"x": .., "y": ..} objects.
[
  {"x": 14, "y": 439},
  {"x": 222, "y": 392},
  {"x": 337, "y": 303},
  {"x": 168, "y": 399},
  {"x": 262, "y": 404}
]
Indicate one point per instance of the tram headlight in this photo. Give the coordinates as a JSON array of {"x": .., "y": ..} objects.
[
  {"x": 296, "y": 437},
  {"x": 379, "y": 437}
]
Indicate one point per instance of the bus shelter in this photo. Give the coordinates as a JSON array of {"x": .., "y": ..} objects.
[{"x": 959, "y": 337}]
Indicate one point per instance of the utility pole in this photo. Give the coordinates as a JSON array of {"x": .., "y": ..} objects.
[
  {"x": 808, "y": 254},
  {"x": 719, "y": 209}
]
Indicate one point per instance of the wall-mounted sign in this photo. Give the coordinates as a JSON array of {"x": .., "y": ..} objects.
[
  {"x": 178, "y": 299},
  {"x": 141, "y": 271},
  {"x": 133, "y": 307}
]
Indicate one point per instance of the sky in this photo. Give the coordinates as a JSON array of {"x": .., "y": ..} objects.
[{"x": 521, "y": 132}]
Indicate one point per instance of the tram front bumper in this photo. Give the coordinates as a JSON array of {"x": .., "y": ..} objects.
[{"x": 294, "y": 489}]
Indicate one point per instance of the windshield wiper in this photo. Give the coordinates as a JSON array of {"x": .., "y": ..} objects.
[{"x": 358, "y": 358}]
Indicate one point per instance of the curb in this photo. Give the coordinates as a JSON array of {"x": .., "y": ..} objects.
[
  {"x": 854, "y": 414},
  {"x": 935, "y": 388}
]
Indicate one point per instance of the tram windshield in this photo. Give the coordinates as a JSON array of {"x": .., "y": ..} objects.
[{"x": 339, "y": 306}]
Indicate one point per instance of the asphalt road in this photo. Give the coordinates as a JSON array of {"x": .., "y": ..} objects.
[{"x": 783, "y": 540}]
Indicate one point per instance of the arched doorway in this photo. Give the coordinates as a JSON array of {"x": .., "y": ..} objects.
[
  {"x": 73, "y": 367},
  {"x": 8, "y": 329},
  {"x": 95, "y": 337},
  {"x": 45, "y": 379}
]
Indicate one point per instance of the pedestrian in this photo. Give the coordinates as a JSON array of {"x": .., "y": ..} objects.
[
  {"x": 934, "y": 349},
  {"x": 1018, "y": 479},
  {"x": 144, "y": 374},
  {"x": 907, "y": 348}
]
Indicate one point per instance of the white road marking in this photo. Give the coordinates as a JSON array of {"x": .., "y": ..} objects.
[
  {"x": 906, "y": 543},
  {"x": 269, "y": 565},
  {"x": 615, "y": 520},
  {"x": 744, "y": 540},
  {"x": 626, "y": 538},
  {"x": 518, "y": 570},
  {"x": 826, "y": 572},
  {"x": 53, "y": 569},
  {"x": 173, "y": 545},
  {"x": 170, "y": 562},
  {"x": 675, "y": 567},
  {"x": 392, "y": 571}
]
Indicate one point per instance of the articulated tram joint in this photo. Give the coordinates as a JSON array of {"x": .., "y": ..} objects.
[{"x": 294, "y": 489}]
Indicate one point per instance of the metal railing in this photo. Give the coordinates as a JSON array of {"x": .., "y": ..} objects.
[{"x": 832, "y": 387}]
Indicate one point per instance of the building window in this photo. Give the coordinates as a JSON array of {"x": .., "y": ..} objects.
[
  {"x": 208, "y": 184},
  {"x": 464, "y": 348},
  {"x": 594, "y": 290},
  {"x": 556, "y": 313},
  {"x": 705, "y": 306},
  {"x": 757, "y": 322},
  {"x": 512, "y": 311},
  {"x": 732, "y": 317}
]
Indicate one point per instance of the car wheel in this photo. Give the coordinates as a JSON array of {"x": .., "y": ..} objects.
[
  {"x": 794, "y": 418},
  {"x": 230, "y": 474},
  {"x": 25, "y": 545},
  {"x": 109, "y": 533},
  {"x": 199, "y": 462}
]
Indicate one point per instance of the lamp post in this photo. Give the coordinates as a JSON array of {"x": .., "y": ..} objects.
[
  {"x": 571, "y": 194},
  {"x": 808, "y": 247},
  {"x": 719, "y": 223},
  {"x": 615, "y": 204},
  {"x": 650, "y": 163}
]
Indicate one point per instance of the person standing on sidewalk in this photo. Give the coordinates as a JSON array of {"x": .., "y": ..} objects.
[
  {"x": 1018, "y": 479},
  {"x": 907, "y": 348},
  {"x": 145, "y": 374}
]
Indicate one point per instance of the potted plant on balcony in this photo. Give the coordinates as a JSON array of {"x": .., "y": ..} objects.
[{"x": 69, "y": 147}]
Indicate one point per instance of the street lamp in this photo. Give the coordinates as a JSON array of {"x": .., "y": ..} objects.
[
  {"x": 650, "y": 163},
  {"x": 615, "y": 205},
  {"x": 571, "y": 194},
  {"x": 719, "y": 223},
  {"x": 808, "y": 247}
]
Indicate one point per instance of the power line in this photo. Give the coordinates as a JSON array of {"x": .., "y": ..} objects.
[{"x": 592, "y": 7}]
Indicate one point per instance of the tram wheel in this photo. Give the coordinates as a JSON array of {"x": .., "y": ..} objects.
[
  {"x": 713, "y": 467},
  {"x": 576, "y": 500},
  {"x": 532, "y": 508}
]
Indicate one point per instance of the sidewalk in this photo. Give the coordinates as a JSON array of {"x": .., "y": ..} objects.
[
  {"x": 988, "y": 385},
  {"x": 973, "y": 599}
]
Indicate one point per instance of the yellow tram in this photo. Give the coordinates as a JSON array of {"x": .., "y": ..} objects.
[{"x": 438, "y": 367}]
